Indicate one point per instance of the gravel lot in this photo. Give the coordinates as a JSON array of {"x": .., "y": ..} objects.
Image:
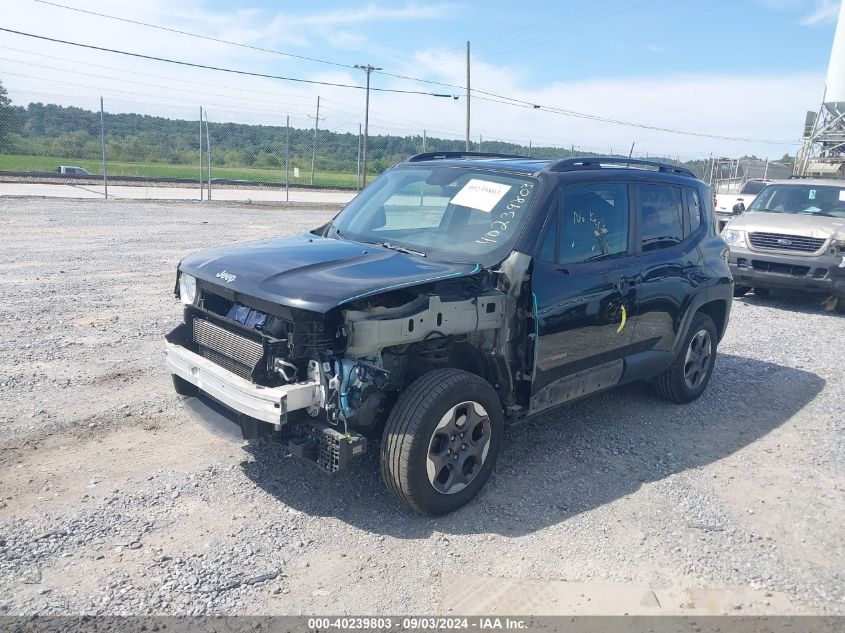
[{"x": 113, "y": 501}]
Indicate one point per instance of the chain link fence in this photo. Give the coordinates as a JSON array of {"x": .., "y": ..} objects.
[{"x": 190, "y": 149}]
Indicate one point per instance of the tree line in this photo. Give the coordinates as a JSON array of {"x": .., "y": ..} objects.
[{"x": 68, "y": 132}]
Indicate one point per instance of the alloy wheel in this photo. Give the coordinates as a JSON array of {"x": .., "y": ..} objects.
[
  {"x": 458, "y": 447},
  {"x": 697, "y": 360}
]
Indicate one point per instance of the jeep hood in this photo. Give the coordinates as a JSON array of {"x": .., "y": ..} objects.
[
  {"x": 819, "y": 226},
  {"x": 314, "y": 273}
]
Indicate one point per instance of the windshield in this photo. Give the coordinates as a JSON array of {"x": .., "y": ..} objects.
[
  {"x": 802, "y": 199},
  {"x": 456, "y": 214}
]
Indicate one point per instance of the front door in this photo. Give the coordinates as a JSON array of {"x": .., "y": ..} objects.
[{"x": 584, "y": 289}]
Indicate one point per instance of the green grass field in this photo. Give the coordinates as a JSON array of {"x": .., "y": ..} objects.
[{"x": 9, "y": 162}]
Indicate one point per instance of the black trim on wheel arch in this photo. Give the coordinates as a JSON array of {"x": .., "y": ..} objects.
[{"x": 408, "y": 433}]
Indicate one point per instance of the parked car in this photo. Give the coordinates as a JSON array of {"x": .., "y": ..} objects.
[
  {"x": 792, "y": 236},
  {"x": 457, "y": 293},
  {"x": 729, "y": 205},
  {"x": 69, "y": 170}
]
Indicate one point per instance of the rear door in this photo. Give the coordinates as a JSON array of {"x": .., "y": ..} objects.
[
  {"x": 582, "y": 292},
  {"x": 670, "y": 268}
]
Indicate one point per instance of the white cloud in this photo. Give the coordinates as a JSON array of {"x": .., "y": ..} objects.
[
  {"x": 825, "y": 11},
  {"x": 818, "y": 11},
  {"x": 747, "y": 106},
  {"x": 752, "y": 106}
]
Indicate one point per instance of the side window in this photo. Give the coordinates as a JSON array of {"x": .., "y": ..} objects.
[
  {"x": 660, "y": 217},
  {"x": 592, "y": 222},
  {"x": 694, "y": 211}
]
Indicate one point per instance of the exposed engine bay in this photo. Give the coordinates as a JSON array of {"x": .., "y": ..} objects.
[{"x": 363, "y": 353}]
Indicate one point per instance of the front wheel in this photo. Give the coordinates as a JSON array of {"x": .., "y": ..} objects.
[
  {"x": 687, "y": 377},
  {"x": 441, "y": 440}
]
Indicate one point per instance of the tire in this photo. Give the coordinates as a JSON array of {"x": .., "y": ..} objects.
[
  {"x": 741, "y": 291},
  {"x": 688, "y": 376},
  {"x": 424, "y": 424},
  {"x": 763, "y": 293}
]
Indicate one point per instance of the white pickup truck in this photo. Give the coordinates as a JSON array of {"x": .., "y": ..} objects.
[{"x": 729, "y": 205}]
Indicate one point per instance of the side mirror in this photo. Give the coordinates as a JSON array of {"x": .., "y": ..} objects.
[{"x": 738, "y": 208}]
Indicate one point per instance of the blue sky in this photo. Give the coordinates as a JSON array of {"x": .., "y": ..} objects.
[{"x": 748, "y": 68}]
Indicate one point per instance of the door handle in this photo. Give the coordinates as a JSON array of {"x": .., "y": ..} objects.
[{"x": 624, "y": 283}]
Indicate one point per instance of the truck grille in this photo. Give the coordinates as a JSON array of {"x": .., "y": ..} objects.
[
  {"x": 784, "y": 242},
  {"x": 231, "y": 351}
]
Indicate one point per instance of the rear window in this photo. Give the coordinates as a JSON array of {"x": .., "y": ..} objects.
[{"x": 752, "y": 187}]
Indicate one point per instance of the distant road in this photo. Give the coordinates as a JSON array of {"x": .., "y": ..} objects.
[{"x": 126, "y": 192}]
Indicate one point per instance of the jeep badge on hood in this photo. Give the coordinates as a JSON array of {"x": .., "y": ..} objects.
[{"x": 225, "y": 276}]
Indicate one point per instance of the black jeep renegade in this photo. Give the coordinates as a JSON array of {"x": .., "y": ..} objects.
[{"x": 457, "y": 293}]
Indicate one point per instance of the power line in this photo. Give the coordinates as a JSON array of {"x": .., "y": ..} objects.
[
  {"x": 144, "y": 83},
  {"x": 196, "y": 35},
  {"x": 565, "y": 21},
  {"x": 218, "y": 68},
  {"x": 180, "y": 80},
  {"x": 543, "y": 33},
  {"x": 643, "y": 126},
  {"x": 490, "y": 96}
]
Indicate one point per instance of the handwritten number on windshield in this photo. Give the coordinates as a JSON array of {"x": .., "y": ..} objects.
[{"x": 500, "y": 225}]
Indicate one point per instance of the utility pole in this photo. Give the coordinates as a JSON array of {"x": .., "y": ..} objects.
[
  {"x": 468, "y": 107},
  {"x": 314, "y": 146},
  {"x": 358, "y": 179},
  {"x": 422, "y": 192},
  {"x": 200, "y": 152},
  {"x": 368, "y": 68},
  {"x": 287, "y": 158},
  {"x": 529, "y": 149},
  {"x": 103, "y": 147},
  {"x": 208, "y": 153}
]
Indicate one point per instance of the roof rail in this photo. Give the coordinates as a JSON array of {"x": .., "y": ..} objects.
[
  {"x": 446, "y": 155},
  {"x": 595, "y": 162}
]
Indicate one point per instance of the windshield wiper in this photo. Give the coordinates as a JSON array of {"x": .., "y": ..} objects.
[{"x": 402, "y": 249}]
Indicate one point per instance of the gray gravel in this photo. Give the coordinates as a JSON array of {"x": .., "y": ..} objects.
[{"x": 113, "y": 501}]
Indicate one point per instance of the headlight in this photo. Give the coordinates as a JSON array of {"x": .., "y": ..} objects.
[
  {"x": 733, "y": 237},
  {"x": 837, "y": 247},
  {"x": 187, "y": 289}
]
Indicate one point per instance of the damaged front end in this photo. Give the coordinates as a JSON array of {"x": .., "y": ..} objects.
[{"x": 325, "y": 382}]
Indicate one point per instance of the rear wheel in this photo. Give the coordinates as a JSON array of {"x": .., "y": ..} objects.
[
  {"x": 441, "y": 441},
  {"x": 763, "y": 293},
  {"x": 687, "y": 377},
  {"x": 741, "y": 291}
]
